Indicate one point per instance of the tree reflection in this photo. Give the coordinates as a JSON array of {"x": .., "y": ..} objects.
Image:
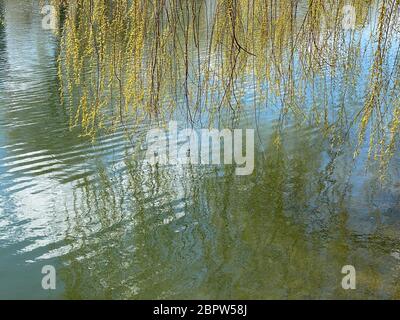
[{"x": 200, "y": 232}]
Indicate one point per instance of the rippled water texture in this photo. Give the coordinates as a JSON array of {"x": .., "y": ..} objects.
[{"x": 116, "y": 228}]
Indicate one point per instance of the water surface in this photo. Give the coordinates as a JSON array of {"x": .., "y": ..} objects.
[{"x": 117, "y": 228}]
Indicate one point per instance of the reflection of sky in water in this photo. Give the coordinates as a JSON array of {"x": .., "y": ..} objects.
[{"x": 29, "y": 56}]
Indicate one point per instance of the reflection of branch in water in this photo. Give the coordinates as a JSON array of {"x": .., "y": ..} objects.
[{"x": 171, "y": 232}]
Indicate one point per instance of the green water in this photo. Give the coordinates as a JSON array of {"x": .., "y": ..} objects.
[{"x": 116, "y": 228}]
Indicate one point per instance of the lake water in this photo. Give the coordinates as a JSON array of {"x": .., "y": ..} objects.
[{"x": 116, "y": 228}]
